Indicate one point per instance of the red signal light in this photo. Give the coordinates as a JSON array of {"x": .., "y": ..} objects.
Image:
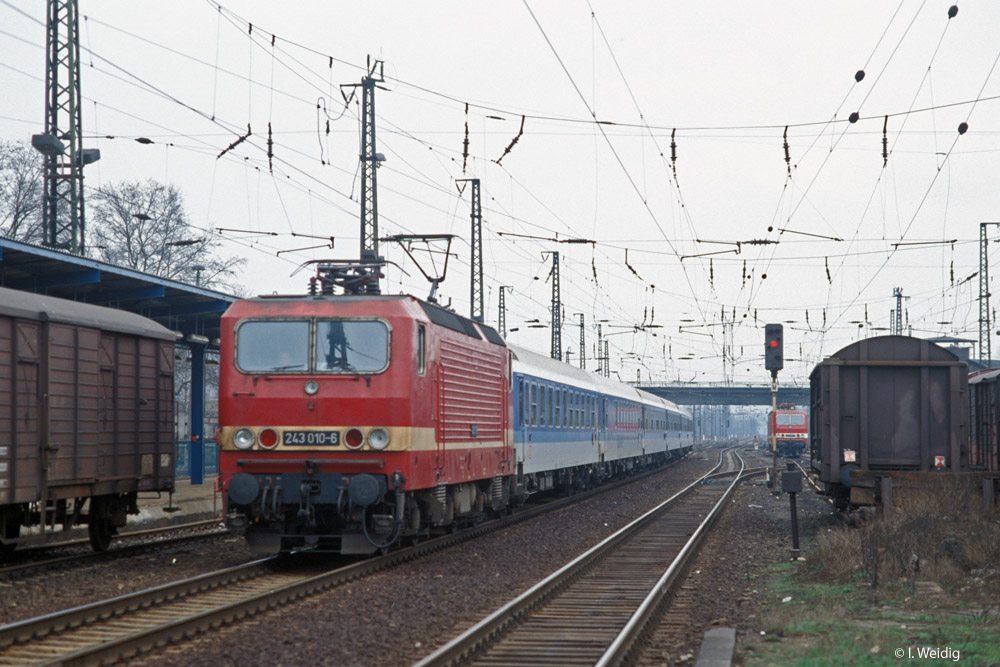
[{"x": 774, "y": 343}]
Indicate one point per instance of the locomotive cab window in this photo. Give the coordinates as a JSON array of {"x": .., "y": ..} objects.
[
  {"x": 272, "y": 346},
  {"x": 352, "y": 346},
  {"x": 421, "y": 349}
]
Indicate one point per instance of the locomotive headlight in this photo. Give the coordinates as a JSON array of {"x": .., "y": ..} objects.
[
  {"x": 311, "y": 387},
  {"x": 243, "y": 438},
  {"x": 378, "y": 438}
]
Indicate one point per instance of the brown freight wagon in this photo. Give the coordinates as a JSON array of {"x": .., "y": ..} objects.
[
  {"x": 890, "y": 412},
  {"x": 86, "y": 417}
]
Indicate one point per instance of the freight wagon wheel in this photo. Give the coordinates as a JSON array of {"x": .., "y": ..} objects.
[
  {"x": 11, "y": 530},
  {"x": 101, "y": 531},
  {"x": 100, "y": 527}
]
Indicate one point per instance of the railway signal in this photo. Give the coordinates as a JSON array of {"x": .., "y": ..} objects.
[{"x": 774, "y": 361}]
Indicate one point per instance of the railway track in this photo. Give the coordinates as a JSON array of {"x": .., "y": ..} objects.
[
  {"x": 591, "y": 611},
  {"x": 116, "y": 552},
  {"x": 126, "y": 626}
]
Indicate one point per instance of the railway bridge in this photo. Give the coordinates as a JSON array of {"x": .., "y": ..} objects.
[{"x": 705, "y": 394}]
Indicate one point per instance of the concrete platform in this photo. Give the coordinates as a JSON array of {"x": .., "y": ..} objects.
[
  {"x": 717, "y": 648},
  {"x": 189, "y": 503}
]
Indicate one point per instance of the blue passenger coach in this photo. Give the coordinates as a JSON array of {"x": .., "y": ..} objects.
[{"x": 573, "y": 428}]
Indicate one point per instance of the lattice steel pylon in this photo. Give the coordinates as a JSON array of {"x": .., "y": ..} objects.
[
  {"x": 370, "y": 160},
  {"x": 476, "y": 264},
  {"x": 985, "y": 353},
  {"x": 897, "y": 323},
  {"x": 502, "y": 315},
  {"x": 62, "y": 210},
  {"x": 556, "y": 351},
  {"x": 583, "y": 344}
]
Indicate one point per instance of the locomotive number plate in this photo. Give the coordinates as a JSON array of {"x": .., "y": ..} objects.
[{"x": 305, "y": 438}]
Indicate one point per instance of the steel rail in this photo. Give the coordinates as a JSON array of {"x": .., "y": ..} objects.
[
  {"x": 17, "y": 636},
  {"x": 119, "y": 550},
  {"x": 619, "y": 649},
  {"x": 483, "y": 632}
]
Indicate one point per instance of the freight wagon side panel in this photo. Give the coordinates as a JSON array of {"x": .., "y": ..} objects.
[
  {"x": 109, "y": 409},
  {"x": 8, "y": 409},
  {"x": 984, "y": 417},
  {"x": 146, "y": 446},
  {"x": 22, "y": 399},
  {"x": 164, "y": 452}
]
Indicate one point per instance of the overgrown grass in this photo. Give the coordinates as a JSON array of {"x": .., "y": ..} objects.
[
  {"x": 925, "y": 575},
  {"x": 942, "y": 532}
]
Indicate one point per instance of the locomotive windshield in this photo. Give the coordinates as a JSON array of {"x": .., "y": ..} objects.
[
  {"x": 352, "y": 346},
  {"x": 791, "y": 420},
  {"x": 273, "y": 346},
  {"x": 340, "y": 346}
]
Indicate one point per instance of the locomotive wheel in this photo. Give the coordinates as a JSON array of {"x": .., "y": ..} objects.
[{"x": 101, "y": 531}]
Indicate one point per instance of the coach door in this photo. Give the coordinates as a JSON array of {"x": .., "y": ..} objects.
[
  {"x": 527, "y": 406},
  {"x": 602, "y": 427}
]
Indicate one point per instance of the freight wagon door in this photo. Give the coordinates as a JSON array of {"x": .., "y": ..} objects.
[{"x": 72, "y": 404}]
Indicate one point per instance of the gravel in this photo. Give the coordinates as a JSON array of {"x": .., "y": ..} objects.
[
  {"x": 720, "y": 590},
  {"x": 64, "y": 586},
  {"x": 399, "y": 616}
]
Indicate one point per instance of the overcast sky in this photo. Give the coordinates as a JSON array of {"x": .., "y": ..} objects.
[{"x": 727, "y": 76}]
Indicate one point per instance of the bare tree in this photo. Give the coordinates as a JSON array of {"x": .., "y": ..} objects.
[
  {"x": 142, "y": 225},
  {"x": 21, "y": 190}
]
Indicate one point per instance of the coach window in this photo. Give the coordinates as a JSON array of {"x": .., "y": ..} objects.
[
  {"x": 352, "y": 346},
  {"x": 542, "y": 404},
  {"x": 522, "y": 402},
  {"x": 534, "y": 404},
  {"x": 421, "y": 349},
  {"x": 551, "y": 404},
  {"x": 272, "y": 346},
  {"x": 557, "y": 409}
]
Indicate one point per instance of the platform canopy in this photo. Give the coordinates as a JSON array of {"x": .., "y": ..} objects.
[{"x": 189, "y": 310}]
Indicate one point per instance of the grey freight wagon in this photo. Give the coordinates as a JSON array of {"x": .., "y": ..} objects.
[{"x": 888, "y": 412}]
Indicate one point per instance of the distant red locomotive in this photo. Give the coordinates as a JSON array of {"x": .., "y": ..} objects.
[
  {"x": 790, "y": 428},
  {"x": 349, "y": 420}
]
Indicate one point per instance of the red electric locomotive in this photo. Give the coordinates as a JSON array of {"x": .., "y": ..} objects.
[
  {"x": 350, "y": 422},
  {"x": 790, "y": 428}
]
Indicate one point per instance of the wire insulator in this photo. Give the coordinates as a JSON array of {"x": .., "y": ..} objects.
[
  {"x": 788, "y": 158},
  {"x": 270, "y": 149},
  {"x": 465, "y": 144},
  {"x": 673, "y": 152},
  {"x": 885, "y": 141}
]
